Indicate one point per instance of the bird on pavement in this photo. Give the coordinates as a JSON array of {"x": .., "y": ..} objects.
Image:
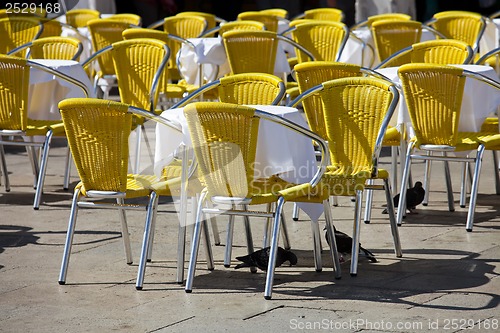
[
  {"x": 260, "y": 258},
  {"x": 414, "y": 197},
  {"x": 344, "y": 244}
]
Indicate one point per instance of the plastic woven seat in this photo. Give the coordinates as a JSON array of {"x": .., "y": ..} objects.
[
  {"x": 63, "y": 48},
  {"x": 269, "y": 20}
]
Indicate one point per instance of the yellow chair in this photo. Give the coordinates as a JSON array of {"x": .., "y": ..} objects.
[
  {"x": 311, "y": 74},
  {"x": 236, "y": 26},
  {"x": 325, "y": 40},
  {"x": 391, "y": 36},
  {"x": 51, "y": 28},
  {"x": 127, "y": 18},
  {"x": 211, "y": 19},
  {"x": 440, "y": 51},
  {"x": 434, "y": 94},
  {"x": 465, "y": 26},
  {"x": 322, "y": 14},
  {"x": 18, "y": 30},
  {"x": 269, "y": 20},
  {"x": 254, "y": 51},
  {"x": 79, "y": 18},
  {"x": 15, "y": 123},
  {"x": 356, "y": 111},
  {"x": 166, "y": 87},
  {"x": 139, "y": 65},
  {"x": 279, "y": 12},
  {"x": 224, "y": 138},
  {"x": 243, "y": 89},
  {"x": 63, "y": 48},
  {"x": 384, "y": 16},
  {"x": 105, "y": 32},
  {"x": 98, "y": 132}
]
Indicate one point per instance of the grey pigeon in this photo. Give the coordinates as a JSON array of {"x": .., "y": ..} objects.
[
  {"x": 414, "y": 197},
  {"x": 260, "y": 258},
  {"x": 344, "y": 244}
]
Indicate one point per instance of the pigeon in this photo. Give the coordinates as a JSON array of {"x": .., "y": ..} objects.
[
  {"x": 344, "y": 244},
  {"x": 414, "y": 197},
  {"x": 260, "y": 258}
]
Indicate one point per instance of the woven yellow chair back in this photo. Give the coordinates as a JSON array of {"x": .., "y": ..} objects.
[
  {"x": 354, "y": 110},
  {"x": 97, "y": 132},
  {"x": 209, "y": 18},
  {"x": 14, "y": 78},
  {"x": 159, "y": 35},
  {"x": 224, "y": 138},
  {"x": 16, "y": 31},
  {"x": 313, "y": 73},
  {"x": 324, "y": 14},
  {"x": 79, "y": 18},
  {"x": 51, "y": 28},
  {"x": 387, "y": 16},
  {"x": 249, "y": 88},
  {"x": 241, "y": 25},
  {"x": 63, "y": 48},
  {"x": 391, "y": 36},
  {"x": 269, "y": 20},
  {"x": 441, "y": 51},
  {"x": 323, "y": 39},
  {"x": 461, "y": 25},
  {"x": 251, "y": 51},
  {"x": 188, "y": 26},
  {"x": 105, "y": 32},
  {"x": 433, "y": 94},
  {"x": 279, "y": 12},
  {"x": 127, "y": 18},
  {"x": 136, "y": 63}
]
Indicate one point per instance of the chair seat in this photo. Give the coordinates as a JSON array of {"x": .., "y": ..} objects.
[
  {"x": 392, "y": 137},
  {"x": 465, "y": 141},
  {"x": 137, "y": 185},
  {"x": 490, "y": 125},
  {"x": 40, "y": 127}
]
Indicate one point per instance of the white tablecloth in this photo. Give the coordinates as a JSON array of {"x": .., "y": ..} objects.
[
  {"x": 479, "y": 99},
  {"x": 279, "y": 150},
  {"x": 47, "y": 90},
  {"x": 210, "y": 53}
]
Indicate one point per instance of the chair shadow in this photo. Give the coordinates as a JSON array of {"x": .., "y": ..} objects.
[{"x": 397, "y": 282}]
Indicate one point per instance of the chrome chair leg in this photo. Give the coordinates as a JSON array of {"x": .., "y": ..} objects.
[
  {"x": 463, "y": 184},
  {"x": 4, "y": 169},
  {"x": 449, "y": 187},
  {"x": 213, "y": 223},
  {"x": 146, "y": 240},
  {"x": 208, "y": 249},
  {"x": 356, "y": 232},
  {"x": 43, "y": 167},
  {"x": 125, "y": 233},
  {"x": 369, "y": 201},
  {"x": 318, "y": 265},
  {"x": 138, "y": 134},
  {"x": 267, "y": 230},
  {"x": 229, "y": 242},
  {"x": 67, "y": 170},
  {"x": 331, "y": 239},
  {"x": 404, "y": 182},
  {"x": 195, "y": 244},
  {"x": 394, "y": 168},
  {"x": 474, "y": 188},
  {"x": 392, "y": 218},
  {"x": 495, "y": 169},
  {"x": 295, "y": 212},
  {"x": 427, "y": 180},
  {"x": 268, "y": 291},
  {"x": 69, "y": 237},
  {"x": 248, "y": 233},
  {"x": 284, "y": 232}
]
